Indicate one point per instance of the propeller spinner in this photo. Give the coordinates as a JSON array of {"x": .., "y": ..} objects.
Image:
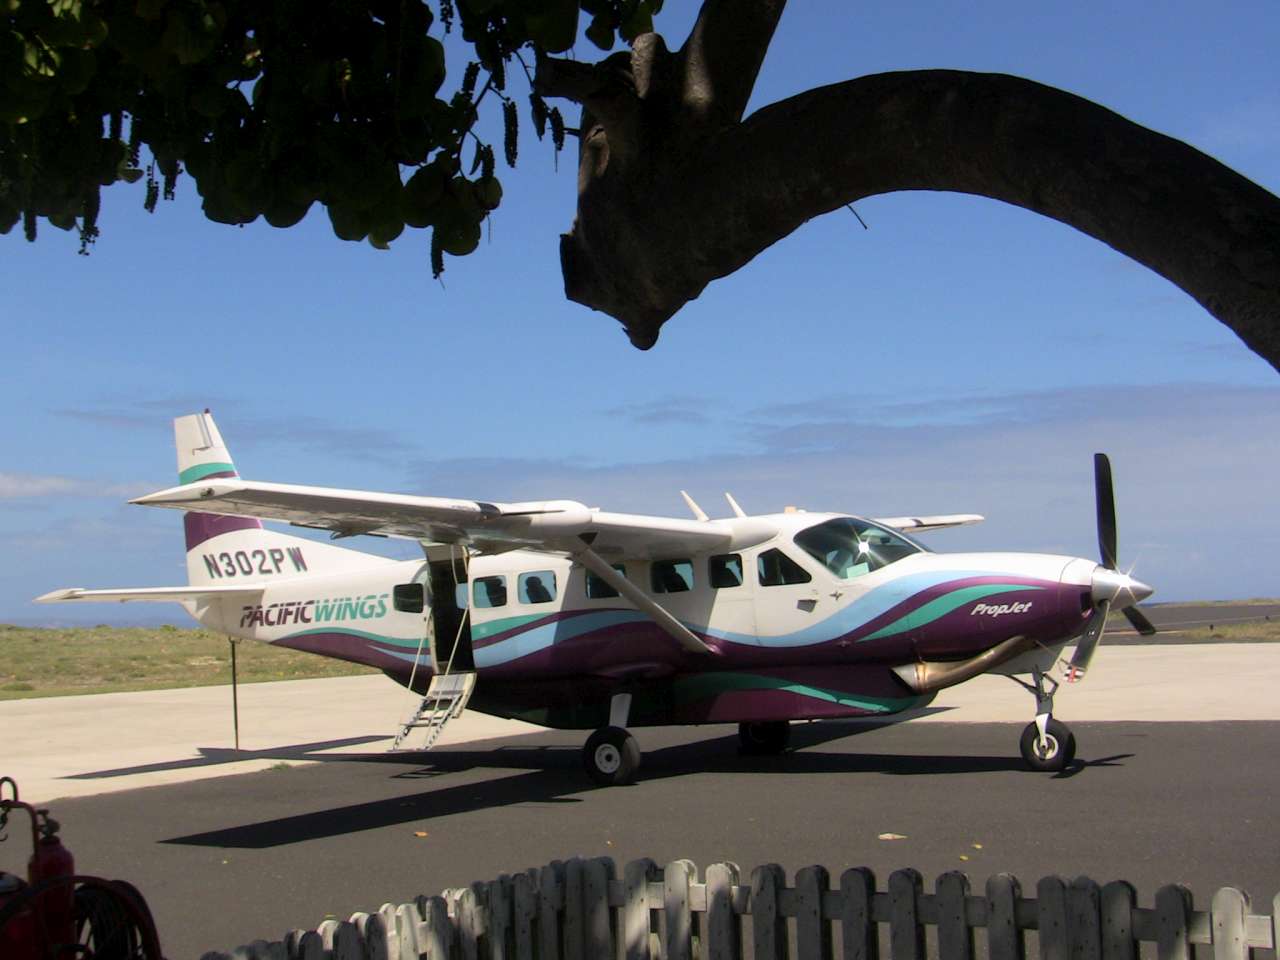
[{"x": 1110, "y": 586}]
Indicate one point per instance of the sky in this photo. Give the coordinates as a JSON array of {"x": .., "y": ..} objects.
[{"x": 959, "y": 355}]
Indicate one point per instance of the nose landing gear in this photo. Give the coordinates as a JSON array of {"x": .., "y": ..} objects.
[{"x": 1046, "y": 744}]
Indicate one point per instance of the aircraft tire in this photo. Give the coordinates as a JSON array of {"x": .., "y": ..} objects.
[
  {"x": 1061, "y": 744},
  {"x": 611, "y": 757},
  {"x": 764, "y": 738}
]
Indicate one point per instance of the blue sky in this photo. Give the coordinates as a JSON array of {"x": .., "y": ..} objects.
[{"x": 960, "y": 355}]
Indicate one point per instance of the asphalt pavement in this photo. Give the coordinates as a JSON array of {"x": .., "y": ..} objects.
[{"x": 1172, "y": 783}]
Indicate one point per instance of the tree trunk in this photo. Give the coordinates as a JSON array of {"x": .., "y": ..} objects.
[{"x": 667, "y": 202}]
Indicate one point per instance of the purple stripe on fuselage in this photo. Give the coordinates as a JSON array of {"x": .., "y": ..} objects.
[{"x": 202, "y": 527}]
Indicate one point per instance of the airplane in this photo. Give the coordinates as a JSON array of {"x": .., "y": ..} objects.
[{"x": 577, "y": 618}]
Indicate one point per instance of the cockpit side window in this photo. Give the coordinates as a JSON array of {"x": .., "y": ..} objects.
[
  {"x": 775, "y": 569},
  {"x": 850, "y": 547}
]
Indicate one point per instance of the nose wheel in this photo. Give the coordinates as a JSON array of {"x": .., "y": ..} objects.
[
  {"x": 1051, "y": 750},
  {"x": 1046, "y": 744}
]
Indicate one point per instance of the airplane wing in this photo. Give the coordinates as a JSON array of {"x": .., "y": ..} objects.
[
  {"x": 492, "y": 527},
  {"x": 148, "y": 593},
  {"x": 918, "y": 524}
]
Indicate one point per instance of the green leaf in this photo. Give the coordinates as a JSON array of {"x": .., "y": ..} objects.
[{"x": 601, "y": 31}]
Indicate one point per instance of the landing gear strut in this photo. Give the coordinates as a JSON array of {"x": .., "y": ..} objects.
[
  {"x": 612, "y": 755},
  {"x": 1047, "y": 744}
]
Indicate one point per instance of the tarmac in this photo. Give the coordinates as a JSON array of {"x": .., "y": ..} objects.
[{"x": 89, "y": 745}]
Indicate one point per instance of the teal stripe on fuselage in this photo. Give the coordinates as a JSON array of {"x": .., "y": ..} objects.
[
  {"x": 862, "y": 611},
  {"x": 202, "y": 470},
  {"x": 940, "y": 606},
  {"x": 547, "y": 634}
]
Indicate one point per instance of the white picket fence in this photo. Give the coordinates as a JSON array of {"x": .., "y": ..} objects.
[{"x": 581, "y": 910}]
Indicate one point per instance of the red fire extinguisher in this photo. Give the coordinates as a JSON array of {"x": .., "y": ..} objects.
[{"x": 51, "y": 862}]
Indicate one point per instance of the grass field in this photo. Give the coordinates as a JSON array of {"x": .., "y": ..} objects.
[{"x": 38, "y": 662}]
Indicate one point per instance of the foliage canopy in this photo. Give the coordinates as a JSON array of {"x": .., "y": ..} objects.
[{"x": 272, "y": 107}]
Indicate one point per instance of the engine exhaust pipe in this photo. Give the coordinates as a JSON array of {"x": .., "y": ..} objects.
[{"x": 926, "y": 676}]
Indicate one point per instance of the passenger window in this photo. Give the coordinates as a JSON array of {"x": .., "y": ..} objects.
[
  {"x": 671, "y": 576},
  {"x": 490, "y": 592},
  {"x": 725, "y": 570},
  {"x": 598, "y": 589},
  {"x": 538, "y": 586},
  {"x": 776, "y": 569},
  {"x": 460, "y": 596}
]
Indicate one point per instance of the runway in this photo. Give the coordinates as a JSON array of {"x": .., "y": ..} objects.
[{"x": 1157, "y": 794}]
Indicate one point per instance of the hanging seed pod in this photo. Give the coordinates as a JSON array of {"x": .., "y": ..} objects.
[
  {"x": 538, "y": 107},
  {"x": 557, "y": 129},
  {"x": 510, "y": 130},
  {"x": 437, "y": 257}
]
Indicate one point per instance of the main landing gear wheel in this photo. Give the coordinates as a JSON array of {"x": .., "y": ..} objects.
[
  {"x": 1054, "y": 752},
  {"x": 611, "y": 756},
  {"x": 766, "y": 737}
]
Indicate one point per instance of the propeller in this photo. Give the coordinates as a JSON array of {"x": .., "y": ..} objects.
[{"x": 1110, "y": 587}]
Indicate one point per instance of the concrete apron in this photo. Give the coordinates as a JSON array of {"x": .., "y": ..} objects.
[{"x": 79, "y": 746}]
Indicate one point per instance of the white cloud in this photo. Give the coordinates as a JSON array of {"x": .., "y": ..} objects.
[{"x": 28, "y": 486}]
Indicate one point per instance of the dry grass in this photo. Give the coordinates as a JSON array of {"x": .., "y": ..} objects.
[{"x": 39, "y": 662}]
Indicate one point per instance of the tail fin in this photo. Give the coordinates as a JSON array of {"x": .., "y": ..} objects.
[
  {"x": 234, "y": 551},
  {"x": 201, "y": 456}
]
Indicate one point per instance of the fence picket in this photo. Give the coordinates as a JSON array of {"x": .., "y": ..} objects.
[
  {"x": 524, "y": 895},
  {"x": 637, "y": 918},
  {"x": 813, "y": 934},
  {"x": 906, "y": 932},
  {"x": 1084, "y": 918},
  {"x": 768, "y": 926},
  {"x": 1118, "y": 900},
  {"x": 1173, "y": 911},
  {"x": 347, "y": 944},
  {"x": 859, "y": 935},
  {"x": 1004, "y": 938},
  {"x": 597, "y": 914},
  {"x": 311, "y": 946},
  {"x": 955, "y": 936},
  {"x": 678, "y": 915},
  {"x": 499, "y": 914},
  {"x": 439, "y": 939},
  {"x": 1230, "y": 907},
  {"x": 723, "y": 927},
  {"x": 550, "y": 905},
  {"x": 572, "y": 916},
  {"x": 404, "y": 920},
  {"x": 373, "y": 934},
  {"x": 1051, "y": 918}
]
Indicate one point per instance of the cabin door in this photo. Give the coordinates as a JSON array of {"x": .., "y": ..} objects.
[{"x": 451, "y": 651}]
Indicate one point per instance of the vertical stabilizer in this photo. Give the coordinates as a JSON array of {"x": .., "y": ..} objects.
[
  {"x": 230, "y": 551},
  {"x": 202, "y": 456}
]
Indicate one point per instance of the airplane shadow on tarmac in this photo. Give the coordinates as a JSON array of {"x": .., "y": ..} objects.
[
  {"x": 554, "y": 774},
  {"x": 210, "y": 756}
]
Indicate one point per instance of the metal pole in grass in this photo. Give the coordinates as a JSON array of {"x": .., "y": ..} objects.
[{"x": 235, "y": 696}]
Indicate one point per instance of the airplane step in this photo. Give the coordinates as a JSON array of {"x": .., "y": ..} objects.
[{"x": 446, "y": 698}]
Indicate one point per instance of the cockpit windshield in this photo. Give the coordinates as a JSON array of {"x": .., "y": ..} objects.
[{"x": 850, "y": 547}]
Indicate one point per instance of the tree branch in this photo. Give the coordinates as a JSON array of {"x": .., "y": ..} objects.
[
  {"x": 721, "y": 59},
  {"x": 692, "y": 218}
]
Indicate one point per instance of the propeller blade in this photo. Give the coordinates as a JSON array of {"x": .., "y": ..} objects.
[
  {"x": 1104, "y": 494},
  {"x": 1139, "y": 621},
  {"x": 1088, "y": 642}
]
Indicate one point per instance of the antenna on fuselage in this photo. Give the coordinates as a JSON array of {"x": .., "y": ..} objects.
[
  {"x": 697, "y": 510},
  {"x": 737, "y": 510}
]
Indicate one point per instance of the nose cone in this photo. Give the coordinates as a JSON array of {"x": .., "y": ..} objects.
[{"x": 1120, "y": 588}]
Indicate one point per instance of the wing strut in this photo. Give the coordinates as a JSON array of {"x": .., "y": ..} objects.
[{"x": 601, "y": 568}]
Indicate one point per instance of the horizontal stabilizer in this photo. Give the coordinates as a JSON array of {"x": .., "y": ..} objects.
[
  {"x": 149, "y": 593},
  {"x": 918, "y": 524}
]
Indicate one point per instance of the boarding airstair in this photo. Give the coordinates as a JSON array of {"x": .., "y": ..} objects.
[{"x": 446, "y": 699}]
